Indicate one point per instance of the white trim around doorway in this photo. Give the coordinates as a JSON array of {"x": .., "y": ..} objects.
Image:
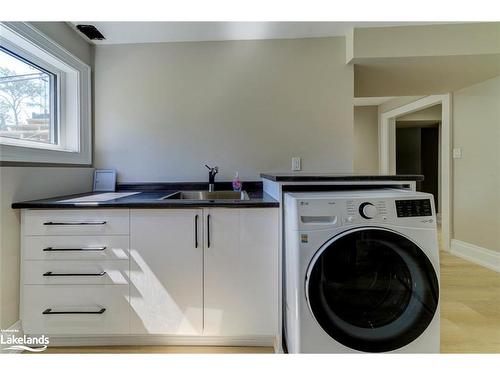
[{"x": 387, "y": 151}]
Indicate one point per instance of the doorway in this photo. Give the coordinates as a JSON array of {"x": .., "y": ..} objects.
[
  {"x": 417, "y": 149},
  {"x": 387, "y": 151}
]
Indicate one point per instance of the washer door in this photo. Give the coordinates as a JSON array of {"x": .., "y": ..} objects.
[{"x": 372, "y": 289}]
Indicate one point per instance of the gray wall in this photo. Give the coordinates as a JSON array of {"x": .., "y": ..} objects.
[
  {"x": 164, "y": 110},
  {"x": 476, "y": 176},
  {"x": 66, "y": 37},
  {"x": 429, "y": 114},
  {"x": 22, "y": 183},
  {"x": 366, "y": 139}
]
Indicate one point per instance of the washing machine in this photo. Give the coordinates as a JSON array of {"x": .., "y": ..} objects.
[{"x": 361, "y": 272}]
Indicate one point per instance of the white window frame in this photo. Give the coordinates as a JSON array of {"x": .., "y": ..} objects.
[{"x": 74, "y": 99}]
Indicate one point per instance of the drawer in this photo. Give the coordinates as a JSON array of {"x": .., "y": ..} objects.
[
  {"x": 75, "y": 247},
  {"x": 80, "y": 272},
  {"x": 75, "y": 222},
  {"x": 75, "y": 309}
]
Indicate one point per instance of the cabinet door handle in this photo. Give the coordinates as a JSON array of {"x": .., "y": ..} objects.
[
  {"x": 52, "y": 312},
  {"x": 74, "y": 274},
  {"x": 196, "y": 231},
  {"x": 208, "y": 231},
  {"x": 101, "y": 248},
  {"x": 74, "y": 223}
]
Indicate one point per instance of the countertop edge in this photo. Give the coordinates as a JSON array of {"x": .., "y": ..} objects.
[
  {"x": 158, "y": 205},
  {"x": 333, "y": 178}
]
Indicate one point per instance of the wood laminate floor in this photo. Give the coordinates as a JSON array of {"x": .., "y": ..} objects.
[
  {"x": 470, "y": 307},
  {"x": 470, "y": 316}
]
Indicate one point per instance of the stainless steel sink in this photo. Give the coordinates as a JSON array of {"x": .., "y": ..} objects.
[{"x": 205, "y": 195}]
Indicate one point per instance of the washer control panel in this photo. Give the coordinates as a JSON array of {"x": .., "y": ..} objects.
[
  {"x": 319, "y": 210},
  {"x": 413, "y": 207}
]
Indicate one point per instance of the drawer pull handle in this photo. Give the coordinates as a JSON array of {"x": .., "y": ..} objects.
[
  {"x": 196, "y": 231},
  {"x": 208, "y": 231},
  {"x": 102, "y": 248},
  {"x": 51, "y": 312},
  {"x": 74, "y": 274},
  {"x": 75, "y": 223}
]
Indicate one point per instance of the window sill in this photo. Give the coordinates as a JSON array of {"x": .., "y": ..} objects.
[{"x": 35, "y": 155}]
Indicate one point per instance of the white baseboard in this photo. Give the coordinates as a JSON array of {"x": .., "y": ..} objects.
[
  {"x": 476, "y": 254},
  {"x": 160, "y": 340},
  {"x": 15, "y": 330}
]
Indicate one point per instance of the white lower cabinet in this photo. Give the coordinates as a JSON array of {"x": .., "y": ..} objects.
[
  {"x": 76, "y": 309},
  {"x": 166, "y": 272},
  {"x": 241, "y": 277},
  {"x": 196, "y": 272}
]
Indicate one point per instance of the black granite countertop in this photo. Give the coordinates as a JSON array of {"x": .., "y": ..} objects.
[
  {"x": 312, "y": 177},
  {"x": 149, "y": 197}
]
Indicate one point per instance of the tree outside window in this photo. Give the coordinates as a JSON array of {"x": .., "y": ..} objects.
[{"x": 24, "y": 100}]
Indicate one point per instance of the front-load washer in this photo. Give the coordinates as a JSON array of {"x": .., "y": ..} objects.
[{"x": 361, "y": 272}]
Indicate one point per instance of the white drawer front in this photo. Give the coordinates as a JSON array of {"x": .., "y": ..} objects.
[
  {"x": 71, "y": 309},
  {"x": 75, "y": 247},
  {"x": 76, "y": 222},
  {"x": 81, "y": 272}
]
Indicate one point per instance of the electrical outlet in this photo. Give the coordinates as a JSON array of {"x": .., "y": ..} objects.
[
  {"x": 296, "y": 163},
  {"x": 457, "y": 153}
]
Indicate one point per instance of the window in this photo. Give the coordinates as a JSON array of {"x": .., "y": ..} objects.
[
  {"x": 44, "y": 99},
  {"x": 27, "y": 100}
]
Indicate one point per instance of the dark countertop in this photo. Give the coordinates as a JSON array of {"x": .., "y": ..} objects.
[
  {"x": 312, "y": 177},
  {"x": 149, "y": 199}
]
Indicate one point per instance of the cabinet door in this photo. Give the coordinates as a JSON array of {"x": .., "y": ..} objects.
[
  {"x": 241, "y": 272},
  {"x": 166, "y": 284}
]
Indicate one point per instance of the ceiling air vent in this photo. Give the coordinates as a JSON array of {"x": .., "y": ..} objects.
[{"x": 90, "y": 32}]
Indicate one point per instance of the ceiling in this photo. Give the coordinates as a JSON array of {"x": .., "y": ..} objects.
[
  {"x": 154, "y": 32},
  {"x": 422, "y": 75}
]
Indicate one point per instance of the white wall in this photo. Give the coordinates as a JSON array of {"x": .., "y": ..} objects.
[
  {"x": 164, "y": 110},
  {"x": 476, "y": 176},
  {"x": 19, "y": 183},
  {"x": 366, "y": 139}
]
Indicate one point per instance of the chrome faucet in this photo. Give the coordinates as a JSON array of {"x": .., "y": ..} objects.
[{"x": 211, "y": 177}]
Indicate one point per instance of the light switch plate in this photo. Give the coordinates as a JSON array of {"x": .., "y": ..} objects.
[
  {"x": 296, "y": 163},
  {"x": 457, "y": 153}
]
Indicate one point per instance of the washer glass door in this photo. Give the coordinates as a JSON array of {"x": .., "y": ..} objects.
[{"x": 372, "y": 289}]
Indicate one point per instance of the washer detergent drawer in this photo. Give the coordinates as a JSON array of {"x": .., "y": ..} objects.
[
  {"x": 110, "y": 272},
  {"x": 76, "y": 247},
  {"x": 76, "y": 309},
  {"x": 76, "y": 222}
]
